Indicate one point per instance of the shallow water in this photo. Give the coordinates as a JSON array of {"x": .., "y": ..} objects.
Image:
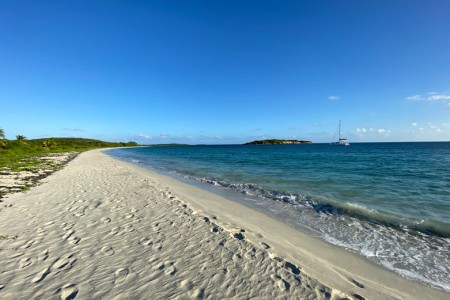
[{"x": 386, "y": 201}]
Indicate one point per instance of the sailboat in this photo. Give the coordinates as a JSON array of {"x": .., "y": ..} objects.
[{"x": 342, "y": 141}]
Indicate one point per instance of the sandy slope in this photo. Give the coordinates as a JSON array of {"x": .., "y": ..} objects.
[{"x": 101, "y": 228}]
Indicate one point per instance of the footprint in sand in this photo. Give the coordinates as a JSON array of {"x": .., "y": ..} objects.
[
  {"x": 68, "y": 234},
  {"x": 24, "y": 262},
  {"x": 146, "y": 241},
  {"x": 105, "y": 220},
  {"x": 359, "y": 297},
  {"x": 281, "y": 283},
  {"x": 128, "y": 228},
  {"x": 129, "y": 216},
  {"x": 66, "y": 226},
  {"x": 293, "y": 268},
  {"x": 74, "y": 240},
  {"x": 41, "y": 275},
  {"x": 72, "y": 208},
  {"x": 28, "y": 244},
  {"x": 171, "y": 270},
  {"x": 44, "y": 255},
  {"x": 62, "y": 262},
  {"x": 115, "y": 230},
  {"x": 108, "y": 250},
  {"x": 239, "y": 236},
  {"x": 358, "y": 284},
  {"x": 40, "y": 231},
  {"x": 95, "y": 204},
  {"x": 157, "y": 246},
  {"x": 69, "y": 291},
  {"x": 121, "y": 275},
  {"x": 264, "y": 245},
  {"x": 186, "y": 285},
  {"x": 136, "y": 220}
]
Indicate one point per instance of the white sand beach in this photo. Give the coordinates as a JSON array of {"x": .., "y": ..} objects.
[{"x": 104, "y": 229}]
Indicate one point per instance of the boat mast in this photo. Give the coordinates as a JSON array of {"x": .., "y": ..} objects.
[{"x": 339, "y": 130}]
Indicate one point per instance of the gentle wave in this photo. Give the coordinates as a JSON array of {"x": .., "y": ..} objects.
[
  {"x": 325, "y": 205},
  {"x": 400, "y": 242}
]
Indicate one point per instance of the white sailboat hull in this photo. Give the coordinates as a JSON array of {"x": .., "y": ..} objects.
[{"x": 341, "y": 141}]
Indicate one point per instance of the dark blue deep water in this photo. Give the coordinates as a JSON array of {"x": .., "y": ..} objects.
[{"x": 389, "y": 202}]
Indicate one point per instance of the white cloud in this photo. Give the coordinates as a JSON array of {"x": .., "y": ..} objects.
[
  {"x": 414, "y": 124},
  {"x": 430, "y": 96},
  {"x": 415, "y": 98},
  {"x": 361, "y": 130},
  {"x": 141, "y": 137},
  {"x": 439, "y": 97},
  {"x": 435, "y": 128},
  {"x": 333, "y": 98},
  {"x": 164, "y": 135}
]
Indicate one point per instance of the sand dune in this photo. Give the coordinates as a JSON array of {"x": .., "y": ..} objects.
[{"x": 104, "y": 229}]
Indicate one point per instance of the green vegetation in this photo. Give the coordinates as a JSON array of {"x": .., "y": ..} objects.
[
  {"x": 20, "y": 138},
  {"x": 278, "y": 142},
  {"x": 23, "y": 154}
]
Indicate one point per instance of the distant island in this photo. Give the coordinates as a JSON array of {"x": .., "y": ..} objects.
[{"x": 278, "y": 142}]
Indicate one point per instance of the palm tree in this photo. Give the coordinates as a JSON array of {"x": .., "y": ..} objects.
[
  {"x": 2, "y": 134},
  {"x": 20, "y": 138}
]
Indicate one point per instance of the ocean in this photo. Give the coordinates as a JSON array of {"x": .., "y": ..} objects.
[{"x": 389, "y": 202}]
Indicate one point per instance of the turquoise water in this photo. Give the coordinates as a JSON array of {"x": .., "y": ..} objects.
[{"x": 389, "y": 202}]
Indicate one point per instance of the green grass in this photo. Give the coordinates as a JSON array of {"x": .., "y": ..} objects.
[{"x": 24, "y": 154}]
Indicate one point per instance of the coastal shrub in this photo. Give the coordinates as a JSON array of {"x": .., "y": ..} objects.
[
  {"x": 18, "y": 154},
  {"x": 21, "y": 139},
  {"x": 49, "y": 144}
]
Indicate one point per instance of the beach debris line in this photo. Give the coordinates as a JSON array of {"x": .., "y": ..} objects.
[{"x": 20, "y": 180}]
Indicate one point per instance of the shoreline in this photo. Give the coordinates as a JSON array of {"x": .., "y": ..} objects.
[
  {"x": 290, "y": 241},
  {"x": 104, "y": 210}
]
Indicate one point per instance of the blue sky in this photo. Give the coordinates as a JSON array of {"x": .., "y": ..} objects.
[{"x": 220, "y": 72}]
